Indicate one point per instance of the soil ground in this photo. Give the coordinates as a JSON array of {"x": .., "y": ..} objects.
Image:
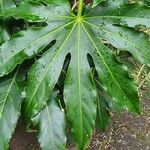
[{"x": 126, "y": 132}]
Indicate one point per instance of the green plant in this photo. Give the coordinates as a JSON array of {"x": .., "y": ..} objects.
[{"x": 76, "y": 71}]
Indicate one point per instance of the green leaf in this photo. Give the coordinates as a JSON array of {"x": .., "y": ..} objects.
[
  {"x": 112, "y": 74},
  {"x": 45, "y": 72},
  {"x": 124, "y": 39},
  {"x": 109, "y": 7},
  {"x": 34, "y": 11},
  {"x": 79, "y": 36},
  {"x": 129, "y": 15},
  {"x": 26, "y": 44},
  {"x": 44, "y": 75},
  {"x": 10, "y": 106},
  {"x": 81, "y": 108},
  {"x": 103, "y": 105},
  {"x": 51, "y": 133}
]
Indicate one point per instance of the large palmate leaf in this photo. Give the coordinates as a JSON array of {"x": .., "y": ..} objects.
[
  {"x": 78, "y": 35},
  {"x": 10, "y": 105}
]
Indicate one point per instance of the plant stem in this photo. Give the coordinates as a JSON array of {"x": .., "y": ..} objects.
[{"x": 80, "y": 7}]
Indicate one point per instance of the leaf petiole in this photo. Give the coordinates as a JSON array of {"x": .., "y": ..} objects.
[{"x": 80, "y": 7}]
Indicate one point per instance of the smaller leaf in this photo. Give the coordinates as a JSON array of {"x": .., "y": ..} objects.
[
  {"x": 103, "y": 102},
  {"x": 10, "y": 106},
  {"x": 51, "y": 125}
]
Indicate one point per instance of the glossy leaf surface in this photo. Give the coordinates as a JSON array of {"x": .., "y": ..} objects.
[
  {"x": 10, "y": 106},
  {"x": 51, "y": 126},
  {"x": 78, "y": 35},
  {"x": 104, "y": 103}
]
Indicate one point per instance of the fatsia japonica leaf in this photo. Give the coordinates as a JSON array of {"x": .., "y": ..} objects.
[
  {"x": 51, "y": 125},
  {"x": 10, "y": 106},
  {"x": 78, "y": 35}
]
